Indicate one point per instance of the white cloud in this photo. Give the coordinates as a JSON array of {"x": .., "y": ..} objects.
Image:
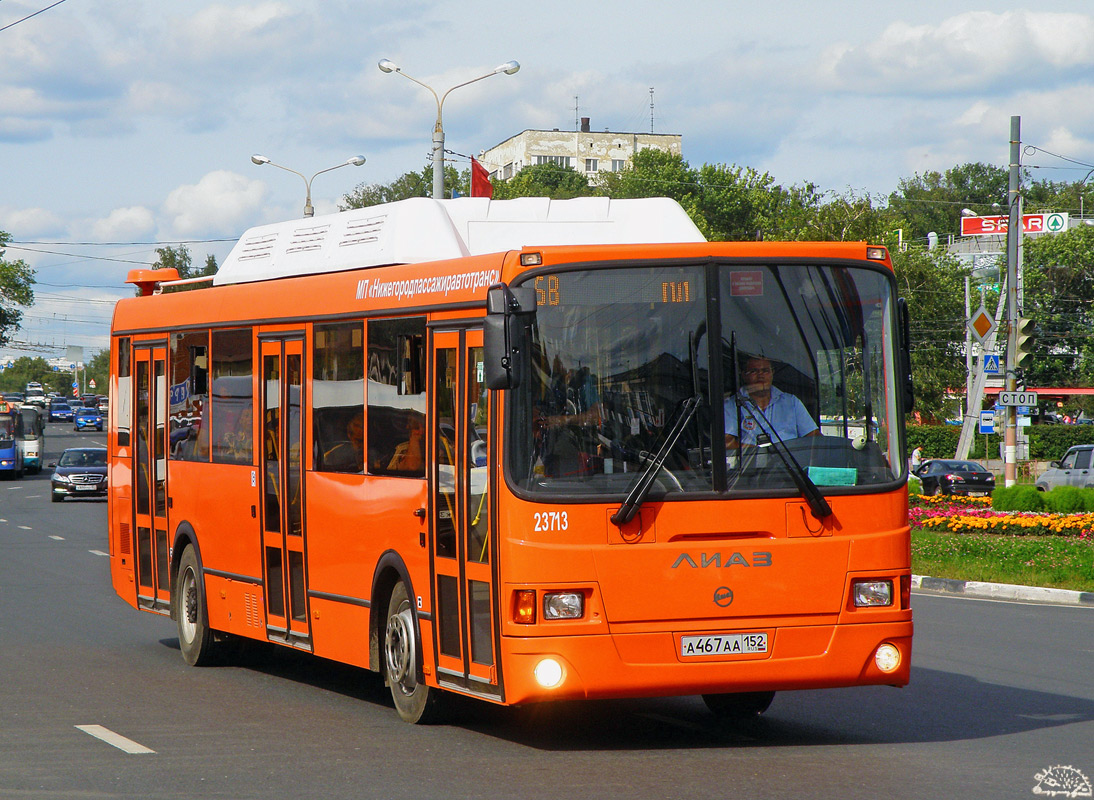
[
  {"x": 973, "y": 51},
  {"x": 230, "y": 32},
  {"x": 25, "y": 223},
  {"x": 221, "y": 202},
  {"x": 124, "y": 224}
]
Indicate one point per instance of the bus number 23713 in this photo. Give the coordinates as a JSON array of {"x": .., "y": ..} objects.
[{"x": 551, "y": 521}]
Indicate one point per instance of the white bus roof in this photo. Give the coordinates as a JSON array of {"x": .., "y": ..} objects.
[{"x": 421, "y": 229}]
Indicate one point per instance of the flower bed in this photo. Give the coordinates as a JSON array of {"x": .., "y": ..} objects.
[{"x": 973, "y": 515}]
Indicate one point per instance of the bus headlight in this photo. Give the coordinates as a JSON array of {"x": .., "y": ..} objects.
[
  {"x": 867, "y": 594},
  {"x": 563, "y": 605},
  {"x": 548, "y": 673},
  {"x": 887, "y": 657}
]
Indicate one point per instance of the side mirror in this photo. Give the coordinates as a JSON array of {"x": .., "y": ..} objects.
[{"x": 509, "y": 314}]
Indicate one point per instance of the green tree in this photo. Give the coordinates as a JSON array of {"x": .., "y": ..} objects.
[
  {"x": 407, "y": 185},
  {"x": 933, "y": 201},
  {"x": 26, "y": 369},
  {"x": 544, "y": 180},
  {"x": 933, "y": 284},
  {"x": 652, "y": 173},
  {"x": 16, "y": 290},
  {"x": 1058, "y": 273},
  {"x": 178, "y": 258},
  {"x": 98, "y": 370}
]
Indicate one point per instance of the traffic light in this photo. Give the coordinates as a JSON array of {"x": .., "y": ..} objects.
[{"x": 1023, "y": 351}]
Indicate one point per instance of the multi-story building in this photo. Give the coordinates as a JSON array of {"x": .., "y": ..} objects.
[{"x": 587, "y": 151}]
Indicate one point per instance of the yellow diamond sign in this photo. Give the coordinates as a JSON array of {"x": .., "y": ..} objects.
[{"x": 981, "y": 324}]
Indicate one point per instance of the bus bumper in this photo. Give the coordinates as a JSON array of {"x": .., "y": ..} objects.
[{"x": 649, "y": 664}]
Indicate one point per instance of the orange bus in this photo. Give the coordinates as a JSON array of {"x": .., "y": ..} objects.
[{"x": 522, "y": 451}]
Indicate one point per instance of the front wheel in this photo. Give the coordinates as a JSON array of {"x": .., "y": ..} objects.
[
  {"x": 188, "y": 609},
  {"x": 738, "y": 705},
  {"x": 415, "y": 702}
]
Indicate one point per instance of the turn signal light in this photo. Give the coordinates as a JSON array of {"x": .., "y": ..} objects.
[{"x": 524, "y": 607}]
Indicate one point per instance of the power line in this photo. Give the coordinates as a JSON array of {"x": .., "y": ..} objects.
[{"x": 28, "y": 16}]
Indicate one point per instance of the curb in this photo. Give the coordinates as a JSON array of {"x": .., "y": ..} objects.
[{"x": 1003, "y": 591}]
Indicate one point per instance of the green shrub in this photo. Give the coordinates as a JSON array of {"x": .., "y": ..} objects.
[
  {"x": 1046, "y": 442},
  {"x": 1069, "y": 500},
  {"x": 914, "y": 485},
  {"x": 1018, "y": 498}
]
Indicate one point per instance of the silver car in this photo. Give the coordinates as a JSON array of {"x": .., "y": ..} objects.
[{"x": 1074, "y": 469}]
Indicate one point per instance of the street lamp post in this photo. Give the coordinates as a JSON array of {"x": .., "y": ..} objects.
[
  {"x": 354, "y": 161},
  {"x": 385, "y": 65}
]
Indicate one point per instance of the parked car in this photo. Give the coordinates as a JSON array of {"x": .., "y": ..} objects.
[
  {"x": 1074, "y": 469},
  {"x": 946, "y": 476},
  {"x": 80, "y": 472},
  {"x": 59, "y": 410},
  {"x": 86, "y": 418}
]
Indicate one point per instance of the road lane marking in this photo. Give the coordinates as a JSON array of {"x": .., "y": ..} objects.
[
  {"x": 114, "y": 739},
  {"x": 57, "y": 538},
  {"x": 99, "y": 553},
  {"x": 25, "y": 528}
]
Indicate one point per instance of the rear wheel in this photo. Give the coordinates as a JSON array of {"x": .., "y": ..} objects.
[
  {"x": 188, "y": 607},
  {"x": 738, "y": 705},
  {"x": 415, "y": 702}
]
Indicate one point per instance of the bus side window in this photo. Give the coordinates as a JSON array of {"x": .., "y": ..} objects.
[
  {"x": 338, "y": 397},
  {"x": 396, "y": 395}
]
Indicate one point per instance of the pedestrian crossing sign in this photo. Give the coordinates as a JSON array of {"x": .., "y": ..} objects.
[{"x": 991, "y": 364}]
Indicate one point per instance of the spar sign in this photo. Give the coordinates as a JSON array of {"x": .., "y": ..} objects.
[{"x": 1048, "y": 222}]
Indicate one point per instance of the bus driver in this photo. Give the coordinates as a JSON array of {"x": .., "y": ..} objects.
[{"x": 765, "y": 407}]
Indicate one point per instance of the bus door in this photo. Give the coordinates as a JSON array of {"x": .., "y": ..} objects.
[
  {"x": 150, "y": 514},
  {"x": 282, "y": 491},
  {"x": 465, "y": 610}
]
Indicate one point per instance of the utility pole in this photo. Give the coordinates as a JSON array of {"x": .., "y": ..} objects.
[{"x": 1014, "y": 237}]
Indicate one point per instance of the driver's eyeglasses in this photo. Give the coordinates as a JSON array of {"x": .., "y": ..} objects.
[{"x": 759, "y": 371}]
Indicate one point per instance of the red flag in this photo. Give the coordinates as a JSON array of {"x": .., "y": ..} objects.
[{"x": 480, "y": 180}]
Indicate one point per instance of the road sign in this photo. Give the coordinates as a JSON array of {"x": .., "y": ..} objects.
[
  {"x": 1018, "y": 398},
  {"x": 91, "y": 384},
  {"x": 75, "y": 385},
  {"x": 987, "y": 422},
  {"x": 991, "y": 364},
  {"x": 1053, "y": 222},
  {"x": 981, "y": 324}
]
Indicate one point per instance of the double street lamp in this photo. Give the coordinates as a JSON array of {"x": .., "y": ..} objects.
[
  {"x": 385, "y": 65},
  {"x": 354, "y": 161}
]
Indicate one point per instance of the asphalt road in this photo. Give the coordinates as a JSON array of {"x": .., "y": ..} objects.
[{"x": 1000, "y": 693}]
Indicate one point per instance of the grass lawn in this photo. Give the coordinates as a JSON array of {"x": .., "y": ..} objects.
[
  {"x": 1057, "y": 562},
  {"x": 965, "y": 539}
]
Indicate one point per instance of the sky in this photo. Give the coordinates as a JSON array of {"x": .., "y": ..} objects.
[{"x": 127, "y": 125}]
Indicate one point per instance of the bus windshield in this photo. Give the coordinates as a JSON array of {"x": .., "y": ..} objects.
[{"x": 793, "y": 366}]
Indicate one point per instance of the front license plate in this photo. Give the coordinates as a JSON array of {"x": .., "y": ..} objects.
[
  {"x": 723, "y": 644},
  {"x": 978, "y": 494},
  {"x": 86, "y": 488}
]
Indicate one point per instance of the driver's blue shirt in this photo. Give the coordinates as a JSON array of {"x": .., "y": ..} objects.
[{"x": 785, "y": 413}]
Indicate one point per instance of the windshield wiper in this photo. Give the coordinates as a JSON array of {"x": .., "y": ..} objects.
[
  {"x": 637, "y": 495},
  {"x": 817, "y": 502}
]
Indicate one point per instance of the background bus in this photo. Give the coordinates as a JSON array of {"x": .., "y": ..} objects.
[
  {"x": 11, "y": 432},
  {"x": 483, "y": 465}
]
